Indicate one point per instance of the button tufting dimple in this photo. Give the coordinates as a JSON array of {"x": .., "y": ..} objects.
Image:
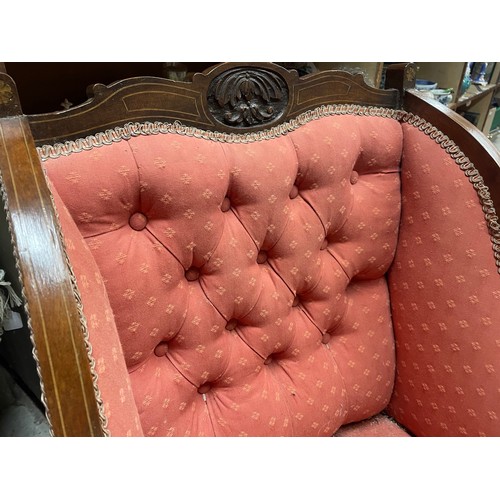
[
  {"x": 324, "y": 244},
  {"x": 231, "y": 324},
  {"x": 354, "y": 177},
  {"x": 203, "y": 389},
  {"x": 296, "y": 301},
  {"x": 192, "y": 274},
  {"x": 226, "y": 204},
  {"x": 325, "y": 339},
  {"x": 138, "y": 221},
  {"x": 268, "y": 360},
  {"x": 161, "y": 349},
  {"x": 294, "y": 192},
  {"x": 262, "y": 257}
]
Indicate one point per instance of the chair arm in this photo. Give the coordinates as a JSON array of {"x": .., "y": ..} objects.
[{"x": 47, "y": 286}]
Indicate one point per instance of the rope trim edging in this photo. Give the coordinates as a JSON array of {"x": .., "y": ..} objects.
[
  {"x": 130, "y": 130},
  {"x": 83, "y": 320},
  {"x": 470, "y": 171}
]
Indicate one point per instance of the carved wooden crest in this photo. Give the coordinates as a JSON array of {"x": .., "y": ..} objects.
[
  {"x": 9, "y": 100},
  {"x": 6, "y": 93},
  {"x": 245, "y": 97}
]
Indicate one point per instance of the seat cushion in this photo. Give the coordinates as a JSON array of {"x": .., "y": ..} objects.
[{"x": 247, "y": 277}]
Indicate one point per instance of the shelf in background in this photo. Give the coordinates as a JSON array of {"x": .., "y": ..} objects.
[{"x": 470, "y": 97}]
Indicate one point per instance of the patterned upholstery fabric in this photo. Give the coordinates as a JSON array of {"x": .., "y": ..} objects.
[
  {"x": 114, "y": 388},
  {"x": 247, "y": 280},
  {"x": 445, "y": 295}
]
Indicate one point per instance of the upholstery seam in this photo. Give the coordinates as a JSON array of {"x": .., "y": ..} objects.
[
  {"x": 147, "y": 128},
  {"x": 81, "y": 315}
]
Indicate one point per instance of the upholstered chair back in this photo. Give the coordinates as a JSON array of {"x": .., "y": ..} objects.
[{"x": 258, "y": 254}]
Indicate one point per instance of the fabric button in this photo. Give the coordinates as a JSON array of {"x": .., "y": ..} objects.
[
  {"x": 226, "y": 204},
  {"x": 161, "y": 349},
  {"x": 354, "y": 177},
  {"x": 231, "y": 324},
  {"x": 326, "y": 338},
  {"x": 203, "y": 389},
  {"x": 295, "y": 302},
  {"x": 268, "y": 360},
  {"x": 192, "y": 274},
  {"x": 138, "y": 221},
  {"x": 294, "y": 192},
  {"x": 324, "y": 244},
  {"x": 262, "y": 257}
]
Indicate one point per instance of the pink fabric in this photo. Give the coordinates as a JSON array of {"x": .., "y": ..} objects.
[
  {"x": 247, "y": 280},
  {"x": 113, "y": 381},
  {"x": 445, "y": 295}
]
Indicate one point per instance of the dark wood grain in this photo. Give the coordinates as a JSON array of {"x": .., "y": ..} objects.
[
  {"x": 51, "y": 306},
  {"x": 401, "y": 76},
  {"x": 158, "y": 99},
  {"x": 42, "y": 86}
]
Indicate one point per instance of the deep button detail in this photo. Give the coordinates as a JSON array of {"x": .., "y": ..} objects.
[
  {"x": 138, "y": 221},
  {"x": 268, "y": 360},
  {"x": 262, "y": 257},
  {"x": 326, "y": 338},
  {"x": 295, "y": 302},
  {"x": 161, "y": 349},
  {"x": 203, "y": 389},
  {"x": 231, "y": 324},
  {"x": 294, "y": 192},
  {"x": 192, "y": 274},
  {"x": 324, "y": 244},
  {"x": 226, "y": 204},
  {"x": 354, "y": 177}
]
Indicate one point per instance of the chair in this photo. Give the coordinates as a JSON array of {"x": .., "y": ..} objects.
[{"x": 255, "y": 253}]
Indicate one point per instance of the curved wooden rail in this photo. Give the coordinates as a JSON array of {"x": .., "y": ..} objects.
[
  {"x": 229, "y": 97},
  {"x": 53, "y": 316},
  {"x": 472, "y": 142}
]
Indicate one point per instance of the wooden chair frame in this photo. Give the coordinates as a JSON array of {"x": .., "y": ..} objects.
[{"x": 49, "y": 290}]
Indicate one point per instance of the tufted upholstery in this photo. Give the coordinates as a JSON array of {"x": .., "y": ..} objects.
[
  {"x": 287, "y": 286},
  {"x": 247, "y": 280}
]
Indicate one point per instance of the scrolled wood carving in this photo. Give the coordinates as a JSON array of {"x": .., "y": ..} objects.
[
  {"x": 246, "y": 97},
  {"x": 6, "y": 94}
]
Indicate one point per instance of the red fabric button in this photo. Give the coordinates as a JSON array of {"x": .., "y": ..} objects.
[
  {"x": 294, "y": 192},
  {"x": 226, "y": 204},
  {"x": 262, "y": 257},
  {"x": 231, "y": 324},
  {"x": 326, "y": 338},
  {"x": 192, "y": 274},
  {"x": 203, "y": 389},
  {"x": 138, "y": 221},
  {"x": 324, "y": 244},
  {"x": 268, "y": 360},
  {"x": 161, "y": 349},
  {"x": 295, "y": 302},
  {"x": 354, "y": 177}
]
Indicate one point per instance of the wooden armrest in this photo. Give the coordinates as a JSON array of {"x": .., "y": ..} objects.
[{"x": 48, "y": 290}]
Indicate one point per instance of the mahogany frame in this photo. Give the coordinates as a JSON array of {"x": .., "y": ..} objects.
[{"x": 47, "y": 286}]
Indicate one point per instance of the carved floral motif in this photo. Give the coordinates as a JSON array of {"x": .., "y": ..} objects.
[
  {"x": 247, "y": 97},
  {"x": 410, "y": 73},
  {"x": 5, "y": 92}
]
